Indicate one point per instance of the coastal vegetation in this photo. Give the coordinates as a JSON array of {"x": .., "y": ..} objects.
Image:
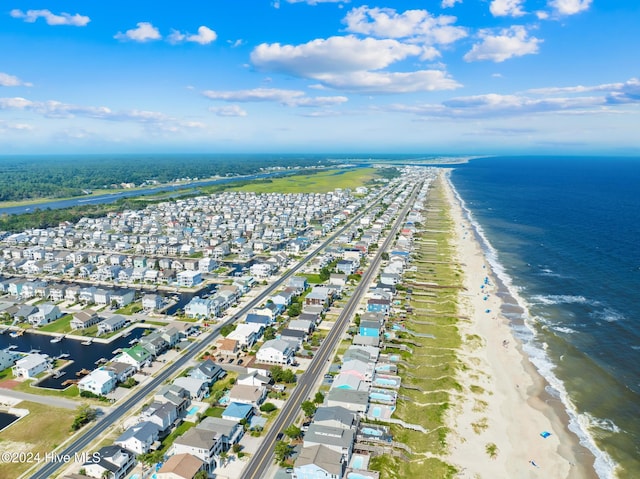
[
  {"x": 30, "y": 177},
  {"x": 429, "y": 350},
  {"x": 26, "y": 435}
]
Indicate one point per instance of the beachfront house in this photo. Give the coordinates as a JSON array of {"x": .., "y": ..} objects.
[
  {"x": 318, "y": 462},
  {"x": 200, "y": 443},
  {"x": 337, "y": 439},
  {"x": 275, "y": 351}
]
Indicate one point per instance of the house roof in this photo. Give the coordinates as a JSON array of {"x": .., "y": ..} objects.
[
  {"x": 182, "y": 465},
  {"x": 198, "y": 438},
  {"x": 321, "y": 456},
  {"x": 334, "y": 413},
  {"x": 238, "y": 410},
  {"x": 329, "y": 435},
  {"x": 246, "y": 392},
  {"x": 218, "y": 425}
]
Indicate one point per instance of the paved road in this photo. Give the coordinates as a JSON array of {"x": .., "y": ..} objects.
[
  {"x": 81, "y": 444},
  {"x": 262, "y": 459},
  {"x": 54, "y": 401}
]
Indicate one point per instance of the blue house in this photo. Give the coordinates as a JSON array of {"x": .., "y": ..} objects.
[
  {"x": 258, "y": 319},
  {"x": 379, "y": 306},
  {"x": 236, "y": 411},
  {"x": 370, "y": 328},
  {"x": 208, "y": 371}
]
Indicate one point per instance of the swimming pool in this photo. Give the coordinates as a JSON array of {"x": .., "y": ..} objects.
[
  {"x": 371, "y": 432},
  {"x": 193, "y": 410},
  {"x": 357, "y": 462},
  {"x": 383, "y": 367},
  {"x": 376, "y": 411},
  {"x": 394, "y": 357},
  {"x": 385, "y": 382},
  {"x": 381, "y": 396},
  {"x": 357, "y": 475}
]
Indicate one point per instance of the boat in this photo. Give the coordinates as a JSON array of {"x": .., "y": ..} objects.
[
  {"x": 87, "y": 342},
  {"x": 58, "y": 374},
  {"x": 63, "y": 356},
  {"x": 100, "y": 361},
  {"x": 14, "y": 334},
  {"x": 57, "y": 339},
  {"x": 34, "y": 351},
  {"x": 83, "y": 372},
  {"x": 133, "y": 341}
]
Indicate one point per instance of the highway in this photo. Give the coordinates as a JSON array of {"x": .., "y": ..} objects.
[
  {"x": 94, "y": 430},
  {"x": 262, "y": 459}
]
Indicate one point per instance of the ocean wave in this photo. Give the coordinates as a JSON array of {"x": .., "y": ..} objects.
[
  {"x": 609, "y": 315},
  {"x": 562, "y": 329},
  {"x": 548, "y": 272},
  {"x": 600, "y": 423},
  {"x": 561, "y": 299},
  {"x": 604, "y": 464}
]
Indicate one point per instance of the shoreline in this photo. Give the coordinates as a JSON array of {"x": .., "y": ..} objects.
[{"x": 513, "y": 408}]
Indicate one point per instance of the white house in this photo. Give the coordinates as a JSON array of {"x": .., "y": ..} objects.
[
  {"x": 31, "y": 365},
  {"x": 46, "y": 313},
  {"x": 187, "y": 279},
  {"x": 100, "y": 382},
  {"x": 139, "y": 438},
  {"x": 275, "y": 351}
]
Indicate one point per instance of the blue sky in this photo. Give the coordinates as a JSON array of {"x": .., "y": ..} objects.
[{"x": 430, "y": 76}]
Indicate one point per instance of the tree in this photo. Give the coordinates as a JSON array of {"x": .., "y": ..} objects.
[
  {"x": 309, "y": 408},
  {"x": 85, "y": 414},
  {"x": 293, "y": 431},
  {"x": 268, "y": 407},
  {"x": 150, "y": 458},
  {"x": 319, "y": 398},
  {"x": 269, "y": 333},
  {"x": 385, "y": 256},
  {"x": 201, "y": 475},
  {"x": 236, "y": 448},
  {"x": 224, "y": 455},
  {"x": 281, "y": 451},
  {"x": 325, "y": 273},
  {"x": 294, "y": 310}
]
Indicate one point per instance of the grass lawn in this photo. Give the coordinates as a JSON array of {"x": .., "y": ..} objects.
[
  {"x": 69, "y": 392},
  {"x": 179, "y": 431},
  {"x": 130, "y": 308},
  {"x": 61, "y": 325},
  {"x": 41, "y": 431},
  {"x": 317, "y": 182}
]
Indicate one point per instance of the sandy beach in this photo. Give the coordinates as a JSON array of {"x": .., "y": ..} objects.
[{"x": 497, "y": 424}]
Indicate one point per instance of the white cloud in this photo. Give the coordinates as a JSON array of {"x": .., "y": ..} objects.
[
  {"x": 449, "y": 3},
  {"x": 143, "y": 32},
  {"x": 11, "y": 80},
  {"x": 230, "y": 110},
  {"x": 30, "y": 16},
  {"x": 606, "y": 98},
  {"x": 569, "y": 7},
  {"x": 334, "y": 54},
  {"x": 417, "y": 25},
  {"x": 506, "y": 8},
  {"x": 236, "y": 43},
  {"x": 391, "y": 82},
  {"x": 352, "y": 64},
  {"x": 5, "y": 125},
  {"x": 204, "y": 36},
  {"x": 508, "y": 43},
  {"x": 284, "y": 97}
]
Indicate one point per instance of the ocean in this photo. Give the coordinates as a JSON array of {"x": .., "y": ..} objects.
[{"x": 563, "y": 236}]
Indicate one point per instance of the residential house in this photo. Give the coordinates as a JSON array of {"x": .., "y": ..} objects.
[
  {"x": 188, "y": 279},
  {"x": 200, "y": 308},
  {"x": 349, "y": 382},
  {"x": 45, "y": 314},
  {"x": 228, "y": 348},
  {"x": 363, "y": 370},
  {"x": 230, "y": 431},
  {"x": 336, "y": 416},
  {"x": 31, "y": 365},
  {"x": 112, "y": 324},
  {"x": 262, "y": 319},
  {"x": 299, "y": 283},
  {"x": 275, "y": 351},
  {"x": 137, "y": 356},
  {"x": 84, "y": 319},
  {"x": 347, "y": 266},
  {"x": 318, "y": 462},
  {"x": 100, "y": 381},
  {"x": 337, "y": 439},
  {"x": 200, "y": 443},
  {"x": 208, "y": 371},
  {"x": 175, "y": 395},
  {"x": 243, "y": 394},
  {"x": 122, "y": 297},
  {"x": 379, "y": 306},
  {"x": 319, "y": 296},
  {"x": 294, "y": 336},
  {"x": 356, "y": 401},
  {"x": 152, "y": 302},
  {"x": 113, "y": 462},
  {"x": 255, "y": 377},
  {"x": 8, "y": 358},
  {"x": 154, "y": 343},
  {"x": 163, "y": 415},
  {"x": 246, "y": 334},
  {"x": 372, "y": 328},
  {"x": 180, "y": 466},
  {"x": 123, "y": 371},
  {"x": 301, "y": 325},
  {"x": 237, "y": 412},
  {"x": 198, "y": 388},
  {"x": 138, "y": 438},
  {"x": 57, "y": 292}
]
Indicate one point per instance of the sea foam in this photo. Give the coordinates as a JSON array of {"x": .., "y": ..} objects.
[{"x": 604, "y": 464}]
